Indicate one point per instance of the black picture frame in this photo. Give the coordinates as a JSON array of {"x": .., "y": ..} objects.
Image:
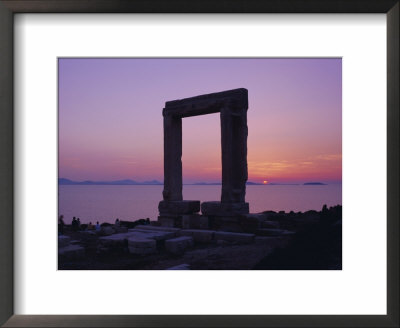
[{"x": 10, "y": 7}]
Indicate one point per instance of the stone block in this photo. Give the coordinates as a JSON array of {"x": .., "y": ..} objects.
[
  {"x": 269, "y": 224},
  {"x": 113, "y": 240},
  {"x": 63, "y": 241},
  {"x": 250, "y": 222},
  {"x": 195, "y": 221},
  {"x": 199, "y": 236},
  {"x": 262, "y": 240},
  {"x": 273, "y": 232},
  {"x": 240, "y": 238},
  {"x": 186, "y": 221},
  {"x": 178, "y": 245},
  {"x": 158, "y": 235},
  {"x": 273, "y": 242},
  {"x": 141, "y": 242},
  {"x": 166, "y": 221},
  {"x": 120, "y": 239},
  {"x": 120, "y": 229},
  {"x": 155, "y": 229},
  {"x": 106, "y": 231},
  {"x": 225, "y": 223},
  {"x": 224, "y": 209},
  {"x": 178, "y": 207},
  {"x": 72, "y": 251},
  {"x": 142, "y": 250},
  {"x": 140, "y": 245}
]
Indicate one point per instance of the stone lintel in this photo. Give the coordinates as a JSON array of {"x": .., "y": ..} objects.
[
  {"x": 224, "y": 209},
  {"x": 178, "y": 207},
  {"x": 236, "y": 99}
]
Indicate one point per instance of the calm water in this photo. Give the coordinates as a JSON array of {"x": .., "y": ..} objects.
[{"x": 106, "y": 203}]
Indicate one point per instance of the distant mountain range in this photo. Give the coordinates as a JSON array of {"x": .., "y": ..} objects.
[{"x": 63, "y": 181}]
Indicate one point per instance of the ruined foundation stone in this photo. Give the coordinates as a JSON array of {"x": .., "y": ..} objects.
[
  {"x": 179, "y": 207},
  {"x": 141, "y": 246},
  {"x": 178, "y": 245},
  {"x": 195, "y": 221},
  {"x": 72, "y": 251},
  {"x": 224, "y": 209},
  {"x": 199, "y": 236},
  {"x": 63, "y": 241},
  {"x": 242, "y": 238}
]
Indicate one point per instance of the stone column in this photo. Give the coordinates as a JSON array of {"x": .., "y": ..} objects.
[
  {"x": 234, "y": 154},
  {"x": 172, "y": 158}
]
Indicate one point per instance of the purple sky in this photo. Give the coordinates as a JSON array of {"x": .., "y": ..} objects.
[{"x": 111, "y": 127}]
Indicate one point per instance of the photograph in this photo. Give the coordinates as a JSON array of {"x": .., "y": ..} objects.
[{"x": 199, "y": 163}]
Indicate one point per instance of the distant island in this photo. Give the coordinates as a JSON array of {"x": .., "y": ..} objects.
[
  {"x": 129, "y": 182},
  {"x": 63, "y": 181}
]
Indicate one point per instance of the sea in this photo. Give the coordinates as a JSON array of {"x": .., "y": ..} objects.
[{"x": 106, "y": 203}]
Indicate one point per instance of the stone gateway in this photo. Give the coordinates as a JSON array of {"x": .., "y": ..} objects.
[{"x": 232, "y": 106}]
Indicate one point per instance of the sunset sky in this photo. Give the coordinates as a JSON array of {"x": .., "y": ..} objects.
[{"x": 111, "y": 124}]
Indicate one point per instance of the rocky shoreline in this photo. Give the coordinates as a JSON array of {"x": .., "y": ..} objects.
[{"x": 282, "y": 241}]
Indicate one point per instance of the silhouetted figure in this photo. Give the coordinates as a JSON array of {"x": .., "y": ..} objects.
[
  {"x": 61, "y": 225},
  {"x": 117, "y": 223},
  {"x": 74, "y": 224},
  {"x": 98, "y": 226},
  {"x": 78, "y": 220},
  {"x": 90, "y": 226},
  {"x": 147, "y": 220}
]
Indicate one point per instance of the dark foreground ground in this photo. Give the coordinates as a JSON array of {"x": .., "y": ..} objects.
[{"x": 316, "y": 244}]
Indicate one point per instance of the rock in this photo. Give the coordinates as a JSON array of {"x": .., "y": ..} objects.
[
  {"x": 251, "y": 222},
  {"x": 226, "y": 223},
  {"x": 114, "y": 240},
  {"x": 195, "y": 221},
  {"x": 169, "y": 221},
  {"x": 72, "y": 251},
  {"x": 224, "y": 209},
  {"x": 262, "y": 240},
  {"x": 63, "y": 241},
  {"x": 269, "y": 224},
  {"x": 178, "y": 245},
  {"x": 120, "y": 239},
  {"x": 158, "y": 235},
  {"x": 180, "y": 267},
  {"x": 107, "y": 230},
  {"x": 273, "y": 242},
  {"x": 88, "y": 232},
  {"x": 199, "y": 236},
  {"x": 178, "y": 207},
  {"x": 155, "y": 228},
  {"x": 141, "y": 246},
  {"x": 120, "y": 229},
  {"x": 141, "y": 251},
  {"x": 240, "y": 238},
  {"x": 273, "y": 232},
  {"x": 141, "y": 242},
  {"x": 222, "y": 242}
]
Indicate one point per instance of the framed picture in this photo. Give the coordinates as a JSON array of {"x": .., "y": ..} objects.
[{"x": 296, "y": 65}]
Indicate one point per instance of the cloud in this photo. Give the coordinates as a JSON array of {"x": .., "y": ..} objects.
[{"x": 329, "y": 157}]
